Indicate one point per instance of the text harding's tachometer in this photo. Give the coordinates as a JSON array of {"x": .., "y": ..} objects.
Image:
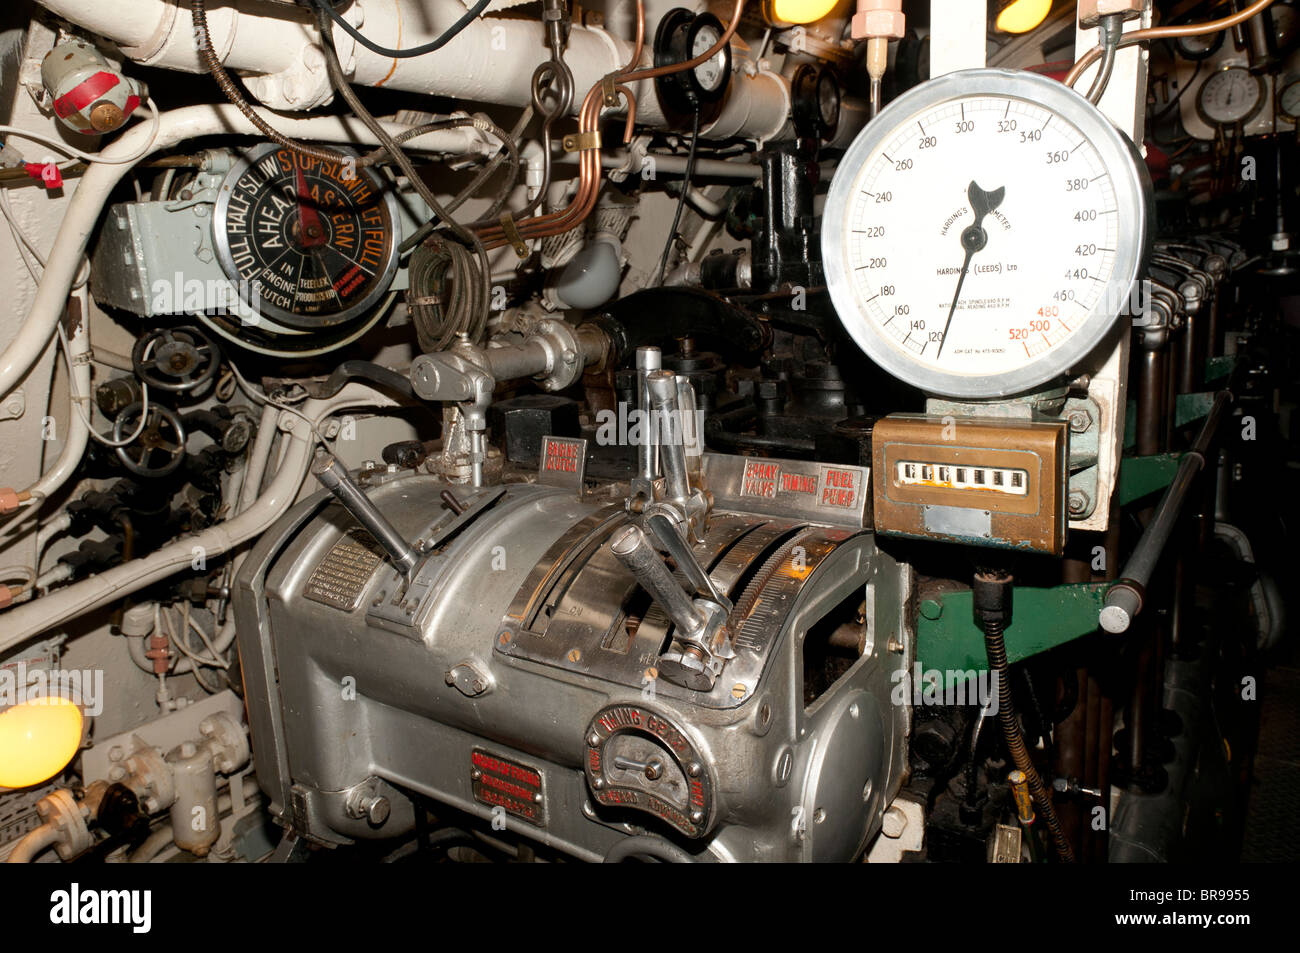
[{"x": 983, "y": 233}]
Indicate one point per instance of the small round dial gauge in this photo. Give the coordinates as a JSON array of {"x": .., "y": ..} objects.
[
  {"x": 682, "y": 36},
  {"x": 828, "y": 100},
  {"x": 984, "y": 232},
  {"x": 1230, "y": 96},
  {"x": 1288, "y": 100},
  {"x": 312, "y": 244},
  {"x": 711, "y": 74}
]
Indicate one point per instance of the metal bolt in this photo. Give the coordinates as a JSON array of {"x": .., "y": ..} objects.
[
  {"x": 697, "y": 817},
  {"x": 738, "y": 690},
  {"x": 1079, "y": 502},
  {"x": 574, "y": 655},
  {"x": 694, "y": 769},
  {"x": 593, "y": 739},
  {"x": 1080, "y": 421},
  {"x": 505, "y": 638}
]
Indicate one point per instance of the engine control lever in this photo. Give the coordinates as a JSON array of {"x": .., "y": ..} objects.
[
  {"x": 700, "y": 646},
  {"x": 672, "y": 445},
  {"x": 335, "y": 478},
  {"x": 672, "y": 543},
  {"x": 648, "y": 360}
]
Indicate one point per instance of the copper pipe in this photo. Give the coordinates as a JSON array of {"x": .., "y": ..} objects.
[
  {"x": 584, "y": 200},
  {"x": 1165, "y": 33}
]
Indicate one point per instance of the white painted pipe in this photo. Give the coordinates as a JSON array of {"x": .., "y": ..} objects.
[
  {"x": 492, "y": 60},
  {"x": 175, "y": 127},
  {"x": 41, "y": 615},
  {"x": 78, "y": 433},
  {"x": 48, "y": 530},
  {"x": 34, "y": 844}
]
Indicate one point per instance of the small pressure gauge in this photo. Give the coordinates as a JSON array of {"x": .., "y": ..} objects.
[
  {"x": 1230, "y": 96},
  {"x": 1288, "y": 97},
  {"x": 683, "y": 36},
  {"x": 815, "y": 102}
]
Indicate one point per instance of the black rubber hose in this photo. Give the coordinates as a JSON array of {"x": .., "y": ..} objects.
[{"x": 647, "y": 846}]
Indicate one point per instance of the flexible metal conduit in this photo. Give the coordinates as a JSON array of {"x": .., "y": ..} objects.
[{"x": 1124, "y": 598}]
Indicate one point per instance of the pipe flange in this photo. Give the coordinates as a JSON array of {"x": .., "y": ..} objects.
[{"x": 60, "y": 810}]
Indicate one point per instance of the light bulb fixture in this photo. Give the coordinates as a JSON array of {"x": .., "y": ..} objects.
[
  {"x": 1021, "y": 16},
  {"x": 786, "y": 13},
  {"x": 38, "y": 738}
]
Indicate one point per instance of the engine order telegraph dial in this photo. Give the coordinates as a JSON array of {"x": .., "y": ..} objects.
[
  {"x": 317, "y": 240},
  {"x": 983, "y": 233}
]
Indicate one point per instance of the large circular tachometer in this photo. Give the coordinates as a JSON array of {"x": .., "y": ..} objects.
[{"x": 983, "y": 233}]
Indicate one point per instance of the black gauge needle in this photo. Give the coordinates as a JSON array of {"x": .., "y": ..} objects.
[{"x": 973, "y": 238}]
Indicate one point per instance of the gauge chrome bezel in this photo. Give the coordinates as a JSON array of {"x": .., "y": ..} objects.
[
  {"x": 309, "y": 323},
  {"x": 1132, "y": 192},
  {"x": 1261, "y": 88}
]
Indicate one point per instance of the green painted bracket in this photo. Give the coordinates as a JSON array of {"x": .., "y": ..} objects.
[
  {"x": 1139, "y": 476},
  {"x": 1130, "y": 424},
  {"x": 1221, "y": 366},
  {"x": 947, "y": 638},
  {"x": 1192, "y": 407}
]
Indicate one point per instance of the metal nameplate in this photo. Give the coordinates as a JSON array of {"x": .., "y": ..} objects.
[
  {"x": 563, "y": 462},
  {"x": 797, "y": 489},
  {"x": 341, "y": 577},
  {"x": 507, "y": 784}
]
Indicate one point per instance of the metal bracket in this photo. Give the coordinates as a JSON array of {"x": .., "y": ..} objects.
[
  {"x": 581, "y": 141},
  {"x": 512, "y": 235}
]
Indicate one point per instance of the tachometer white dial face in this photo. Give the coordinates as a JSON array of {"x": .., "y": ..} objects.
[
  {"x": 1229, "y": 96},
  {"x": 981, "y": 237}
]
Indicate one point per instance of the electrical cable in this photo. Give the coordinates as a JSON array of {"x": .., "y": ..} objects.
[
  {"x": 1165, "y": 32},
  {"x": 78, "y": 399},
  {"x": 681, "y": 202},
  {"x": 344, "y": 89},
  {"x": 208, "y": 57},
  {"x": 444, "y": 297},
  {"x": 23, "y": 241},
  {"x": 324, "y": 6},
  {"x": 91, "y": 156},
  {"x": 1178, "y": 95}
]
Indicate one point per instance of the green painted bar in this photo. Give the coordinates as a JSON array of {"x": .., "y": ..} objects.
[{"x": 948, "y": 640}]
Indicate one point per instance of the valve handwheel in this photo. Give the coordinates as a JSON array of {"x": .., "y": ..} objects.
[
  {"x": 176, "y": 359},
  {"x": 160, "y": 448}
]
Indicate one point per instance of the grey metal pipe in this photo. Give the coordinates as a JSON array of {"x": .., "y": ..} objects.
[
  {"x": 631, "y": 547},
  {"x": 672, "y": 448},
  {"x": 1124, "y": 599},
  {"x": 335, "y": 478},
  {"x": 648, "y": 360}
]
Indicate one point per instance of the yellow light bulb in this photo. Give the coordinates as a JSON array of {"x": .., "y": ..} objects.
[
  {"x": 37, "y": 740},
  {"x": 1021, "y": 16},
  {"x": 800, "y": 11}
]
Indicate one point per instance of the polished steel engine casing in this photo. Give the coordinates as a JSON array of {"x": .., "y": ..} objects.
[{"x": 359, "y": 688}]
